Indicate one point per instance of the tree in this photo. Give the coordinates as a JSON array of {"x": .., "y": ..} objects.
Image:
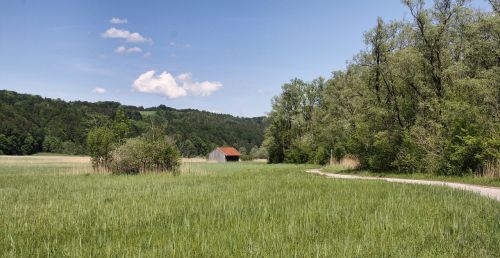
[
  {"x": 188, "y": 149},
  {"x": 28, "y": 145},
  {"x": 100, "y": 142},
  {"x": 495, "y": 5},
  {"x": 52, "y": 144},
  {"x": 423, "y": 97},
  {"x": 121, "y": 125}
]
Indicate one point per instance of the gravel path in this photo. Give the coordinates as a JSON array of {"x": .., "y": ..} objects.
[{"x": 491, "y": 192}]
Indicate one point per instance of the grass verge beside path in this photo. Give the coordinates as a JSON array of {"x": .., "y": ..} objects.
[{"x": 469, "y": 179}]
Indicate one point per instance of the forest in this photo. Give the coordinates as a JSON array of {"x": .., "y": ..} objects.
[
  {"x": 31, "y": 124},
  {"x": 423, "y": 96}
]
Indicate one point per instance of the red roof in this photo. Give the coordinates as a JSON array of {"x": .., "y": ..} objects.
[{"x": 229, "y": 151}]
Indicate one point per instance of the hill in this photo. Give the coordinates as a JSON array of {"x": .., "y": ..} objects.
[{"x": 32, "y": 124}]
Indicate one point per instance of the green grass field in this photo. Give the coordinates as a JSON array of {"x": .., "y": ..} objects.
[{"x": 55, "y": 206}]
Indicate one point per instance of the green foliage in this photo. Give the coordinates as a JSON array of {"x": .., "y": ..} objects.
[
  {"x": 246, "y": 157},
  {"x": 291, "y": 120},
  {"x": 52, "y": 122},
  {"x": 258, "y": 152},
  {"x": 322, "y": 156},
  {"x": 188, "y": 149},
  {"x": 28, "y": 145},
  {"x": 71, "y": 148},
  {"x": 121, "y": 125},
  {"x": 243, "y": 151},
  {"x": 101, "y": 141},
  {"x": 146, "y": 154},
  {"x": 52, "y": 144},
  {"x": 423, "y": 97}
]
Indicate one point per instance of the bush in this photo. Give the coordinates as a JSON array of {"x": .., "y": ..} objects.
[
  {"x": 52, "y": 144},
  {"x": 258, "y": 152},
  {"x": 145, "y": 154},
  {"x": 246, "y": 157},
  {"x": 100, "y": 142},
  {"x": 71, "y": 148},
  {"x": 322, "y": 156}
]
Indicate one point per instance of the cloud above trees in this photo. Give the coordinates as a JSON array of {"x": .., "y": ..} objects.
[
  {"x": 99, "y": 90},
  {"x": 173, "y": 87}
]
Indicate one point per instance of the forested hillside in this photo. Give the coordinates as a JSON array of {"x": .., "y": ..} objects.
[
  {"x": 424, "y": 96},
  {"x": 30, "y": 124}
]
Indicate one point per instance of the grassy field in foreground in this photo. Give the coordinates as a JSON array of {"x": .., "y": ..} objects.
[
  {"x": 469, "y": 179},
  {"x": 55, "y": 207}
]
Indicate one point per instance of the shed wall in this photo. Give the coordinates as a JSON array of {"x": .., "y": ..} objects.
[{"x": 217, "y": 155}]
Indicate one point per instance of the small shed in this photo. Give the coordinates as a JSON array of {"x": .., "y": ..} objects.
[{"x": 224, "y": 154}]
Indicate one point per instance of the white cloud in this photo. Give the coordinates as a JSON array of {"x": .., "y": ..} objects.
[
  {"x": 173, "y": 87},
  {"x": 147, "y": 55},
  {"x": 134, "y": 37},
  {"x": 99, "y": 90},
  {"x": 197, "y": 88},
  {"x": 163, "y": 84},
  {"x": 116, "y": 20},
  {"x": 178, "y": 45},
  {"x": 124, "y": 50}
]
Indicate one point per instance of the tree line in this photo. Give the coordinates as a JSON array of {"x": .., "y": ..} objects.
[
  {"x": 424, "y": 96},
  {"x": 31, "y": 124}
]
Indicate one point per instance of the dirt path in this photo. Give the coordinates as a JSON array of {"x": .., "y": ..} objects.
[{"x": 491, "y": 192}]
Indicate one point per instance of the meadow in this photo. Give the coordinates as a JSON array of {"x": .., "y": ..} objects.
[{"x": 55, "y": 207}]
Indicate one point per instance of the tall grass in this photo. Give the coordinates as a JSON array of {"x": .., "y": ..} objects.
[
  {"x": 234, "y": 210},
  {"x": 491, "y": 169}
]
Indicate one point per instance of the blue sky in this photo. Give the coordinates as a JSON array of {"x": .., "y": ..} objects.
[{"x": 221, "y": 56}]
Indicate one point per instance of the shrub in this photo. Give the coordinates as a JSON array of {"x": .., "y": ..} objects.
[
  {"x": 258, "y": 152},
  {"x": 246, "y": 157},
  {"x": 322, "y": 156},
  {"x": 100, "y": 142},
  {"x": 71, "y": 148},
  {"x": 145, "y": 154},
  {"x": 52, "y": 144}
]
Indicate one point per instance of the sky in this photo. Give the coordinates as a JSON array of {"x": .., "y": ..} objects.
[{"x": 223, "y": 56}]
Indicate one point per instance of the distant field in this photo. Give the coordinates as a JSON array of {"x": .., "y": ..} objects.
[{"x": 54, "y": 206}]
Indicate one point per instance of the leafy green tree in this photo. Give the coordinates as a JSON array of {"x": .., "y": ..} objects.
[
  {"x": 52, "y": 144},
  {"x": 423, "y": 97},
  {"x": 4, "y": 145},
  {"x": 121, "y": 125},
  {"x": 101, "y": 141},
  {"x": 188, "y": 149},
  {"x": 28, "y": 145}
]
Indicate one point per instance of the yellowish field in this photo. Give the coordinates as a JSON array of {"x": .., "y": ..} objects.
[
  {"x": 44, "y": 160},
  {"x": 194, "y": 160},
  {"x": 40, "y": 165}
]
